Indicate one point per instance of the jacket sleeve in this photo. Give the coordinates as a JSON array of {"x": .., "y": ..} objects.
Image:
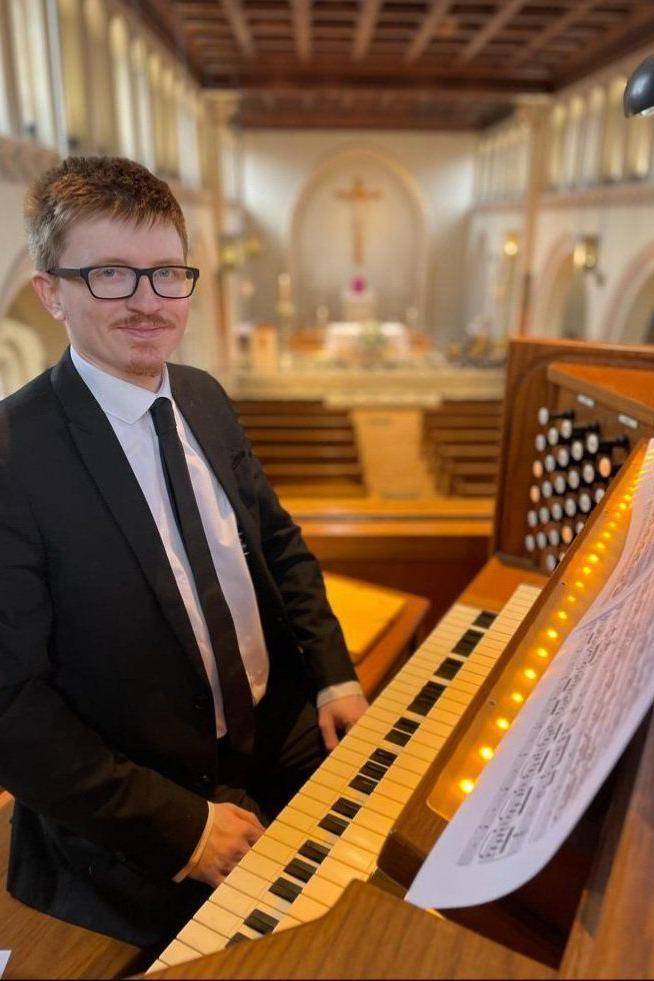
[
  {"x": 299, "y": 579},
  {"x": 49, "y": 758}
]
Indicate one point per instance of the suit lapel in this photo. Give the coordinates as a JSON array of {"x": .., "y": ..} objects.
[{"x": 109, "y": 468}]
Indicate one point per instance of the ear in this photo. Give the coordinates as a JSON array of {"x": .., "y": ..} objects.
[{"x": 48, "y": 292}]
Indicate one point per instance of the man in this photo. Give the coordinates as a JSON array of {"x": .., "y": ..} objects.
[{"x": 164, "y": 631}]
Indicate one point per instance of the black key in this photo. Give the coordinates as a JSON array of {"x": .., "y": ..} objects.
[
  {"x": 261, "y": 922},
  {"x": 373, "y": 770},
  {"x": 384, "y": 757},
  {"x": 468, "y": 642},
  {"x": 346, "y": 807},
  {"x": 448, "y": 668},
  {"x": 399, "y": 738},
  {"x": 314, "y": 851},
  {"x": 299, "y": 869},
  {"x": 236, "y": 939},
  {"x": 363, "y": 784},
  {"x": 334, "y": 825},
  {"x": 485, "y": 619},
  {"x": 287, "y": 890},
  {"x": 406, "y": 725},
  {"x": 420, "y": 706},
  {"x": 432, "y": 690}
]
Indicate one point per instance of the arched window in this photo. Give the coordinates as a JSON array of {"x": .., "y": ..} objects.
[
  {"x": 615, "y": 136},
  {"x": 143, "y": 130},
  {"x": 189, "y": 162},
  {"x": 158, "y": 112},
  {"x": 555, "y": 161},
  {"x": 72, "y": 57},
  {"x": 32, "y": 67},
  {"x": 591, "y": 148},
  {"x": 100, "y": 91},
  {"x": 572, "y": 140},
  {"x": 6, "y": 74},
  {"x": 640, "y": 130},
  {"x": 170, "y": 122},
  {"x": 119, "y": 44}
]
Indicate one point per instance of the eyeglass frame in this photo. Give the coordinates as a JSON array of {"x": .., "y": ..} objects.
[{"x": 84, "y": 271}]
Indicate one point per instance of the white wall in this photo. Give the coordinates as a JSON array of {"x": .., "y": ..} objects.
[{"x": 278, "y": 165}]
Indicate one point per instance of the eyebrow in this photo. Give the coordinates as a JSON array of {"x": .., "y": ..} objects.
[{"x": 113, "y": 261}]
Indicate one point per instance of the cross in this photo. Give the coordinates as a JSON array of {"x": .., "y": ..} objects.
[{"x": 358, "y": 195}]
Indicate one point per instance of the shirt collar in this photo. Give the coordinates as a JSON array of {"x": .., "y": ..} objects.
[{"x": 116, "y": 397}]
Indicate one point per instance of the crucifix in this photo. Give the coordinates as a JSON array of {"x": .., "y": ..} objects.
[{"x": 358, "y": 195}]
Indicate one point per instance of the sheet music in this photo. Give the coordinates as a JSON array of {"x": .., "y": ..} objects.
[
  {"x": 564, "y": 742},
  {"x": 4, "y": 958}
]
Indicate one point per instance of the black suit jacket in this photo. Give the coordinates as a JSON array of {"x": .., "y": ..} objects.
[{"x": 107, "y": 736}]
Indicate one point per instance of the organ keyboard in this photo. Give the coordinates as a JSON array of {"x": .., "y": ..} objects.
[{"x": 333, "y": 830}]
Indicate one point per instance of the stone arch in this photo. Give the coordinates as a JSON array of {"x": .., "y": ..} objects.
[
  {"x": 346, "y": 161},
  {"x": 632, "y": 282},
  {"x": 545, "y": 283},
  {"x": 22, "y": 355}
]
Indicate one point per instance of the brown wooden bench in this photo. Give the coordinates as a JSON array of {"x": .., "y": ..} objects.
[
  {"x": 305, "y": 447},
  {"x": 458, "y": 432}
]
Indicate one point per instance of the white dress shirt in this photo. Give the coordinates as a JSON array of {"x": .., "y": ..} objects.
[{"x": 127, "y": 409}]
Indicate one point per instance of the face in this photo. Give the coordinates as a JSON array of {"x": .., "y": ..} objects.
[{"x": 129, "y": 338}]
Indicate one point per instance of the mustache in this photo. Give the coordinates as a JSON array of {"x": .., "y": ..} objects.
[{"x": 139, "y": 320}]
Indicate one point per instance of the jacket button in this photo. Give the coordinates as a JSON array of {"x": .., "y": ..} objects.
[{"x": 206, "y": 780}]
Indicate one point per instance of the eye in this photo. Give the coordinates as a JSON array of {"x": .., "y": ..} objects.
[{"x": 111, "y": 272}]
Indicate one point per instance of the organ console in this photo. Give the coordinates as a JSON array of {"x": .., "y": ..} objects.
[{"x": 378, "y": 803}]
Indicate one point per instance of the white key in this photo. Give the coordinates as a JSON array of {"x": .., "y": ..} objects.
[{"x": 178, "y": 953}]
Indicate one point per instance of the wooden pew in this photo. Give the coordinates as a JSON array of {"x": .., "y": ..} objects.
[
  {"x": 304, "y": 446},
  {"x": 461, "y": 442}
]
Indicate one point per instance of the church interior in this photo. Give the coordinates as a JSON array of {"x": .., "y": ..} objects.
[{"x": 425, "y": 231}]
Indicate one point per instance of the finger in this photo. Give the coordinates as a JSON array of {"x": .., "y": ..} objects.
[
  {"x": 249, "y": 816},
  {"x": 328, "y": 730}
]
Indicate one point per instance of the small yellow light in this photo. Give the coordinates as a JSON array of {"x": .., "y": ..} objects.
[
  {"x": 466, "y": 786},
  {"x": 517, "y": 697},
  {"x": 593, "y": 559},
  {"x": 571, "y": 599},
  {"x": 606, "y": 535},
  {"x": 622, "y": 506},
  {"x": 612, "y": 525},
  {"x": 486, "y": 753},
  {"x": 627, "y": 497},
  {"x": 531, "y": 674},
  {"x": 579, "y": 584},
  {"x": 503, "y": 724},
  {"x": 586, "y": 569},
  {"x": 600, "y": 546},
  {"x": 562, "y": 615},
  {"x": 542, "y": 652},
  {"x": 551, "y": 633}
]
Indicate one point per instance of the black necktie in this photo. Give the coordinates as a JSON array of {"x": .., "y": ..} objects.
[{"x": 236, "y": 692}]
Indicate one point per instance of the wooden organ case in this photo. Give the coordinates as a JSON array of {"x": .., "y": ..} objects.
[{"x": 399, "y": 775}]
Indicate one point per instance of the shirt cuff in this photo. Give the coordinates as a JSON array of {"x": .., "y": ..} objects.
[
  {"x": 338, "y": 691},
  {"x": 199, "y": 848}
]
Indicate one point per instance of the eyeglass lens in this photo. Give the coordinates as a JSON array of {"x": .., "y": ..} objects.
[{"x": 114, "y": 282}]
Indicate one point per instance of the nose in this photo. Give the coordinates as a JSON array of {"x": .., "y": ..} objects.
[{"x": 145, "y": 300}]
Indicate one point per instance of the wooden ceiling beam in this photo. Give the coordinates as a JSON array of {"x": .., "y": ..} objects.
[
  {"x": 235, "y": 14},
  {"x": 557, "y": 27},
  {"x": 634, "y": 31},
  {"x": 365, "y": 28},
  {"x": 503, "y": 14},
  {"x": 301, "y": 11},
  {"x": 427, "y": 29}
]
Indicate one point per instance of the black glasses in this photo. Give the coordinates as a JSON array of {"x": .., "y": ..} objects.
[{"x": 120, "y": 282}]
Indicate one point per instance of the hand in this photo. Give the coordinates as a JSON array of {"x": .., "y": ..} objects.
[
  {"x": 233, "y": 833},
  {"x": 339, "y": 716}
]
